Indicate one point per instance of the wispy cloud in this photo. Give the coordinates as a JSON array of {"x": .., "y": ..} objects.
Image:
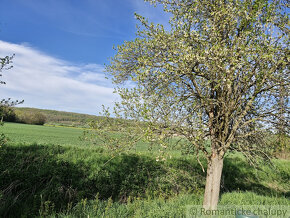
[{"x": 44, "y": 81}]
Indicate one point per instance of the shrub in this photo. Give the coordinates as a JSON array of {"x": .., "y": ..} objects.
[
  {"x": 7, "y": 113},
  {"x": 30, "y": 118}
]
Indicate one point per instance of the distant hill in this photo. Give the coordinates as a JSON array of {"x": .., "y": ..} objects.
[{"x": 54, "y": 117}]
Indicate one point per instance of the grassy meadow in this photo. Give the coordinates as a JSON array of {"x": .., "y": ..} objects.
[
  {"x": 27, "y": 134},
  {"x": 57, "y": 134},
  {"x": 49, "y": 171}
]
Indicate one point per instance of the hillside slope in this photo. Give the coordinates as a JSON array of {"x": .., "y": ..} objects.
[{"x": 54, "y": 117}]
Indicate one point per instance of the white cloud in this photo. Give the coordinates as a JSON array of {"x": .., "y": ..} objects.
[
  {"x": 93, "y": 73},
  {"x": 47, "y": 82}
]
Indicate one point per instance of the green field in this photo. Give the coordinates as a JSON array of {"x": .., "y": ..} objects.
[
  {"x": 27, "y": 134},
  {"x": 49, "y": 171}
]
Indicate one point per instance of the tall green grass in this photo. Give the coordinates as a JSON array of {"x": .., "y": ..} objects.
[
  {"x": 53, "y": 179},
  {"x": 174, "y": 207},
  {"x": 59, "y": 178}
]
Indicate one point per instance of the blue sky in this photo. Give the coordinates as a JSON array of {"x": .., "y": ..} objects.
[{"x": 61, "y": 47}]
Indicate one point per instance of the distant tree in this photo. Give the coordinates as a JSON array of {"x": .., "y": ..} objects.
[
  {"x": 211, "y": 80},
  {"x": 32, "y": 117},
  {"x": 7, "y": 113}
]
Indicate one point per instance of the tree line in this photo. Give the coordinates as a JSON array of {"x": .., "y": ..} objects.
[{"x": 8, "y": 114}]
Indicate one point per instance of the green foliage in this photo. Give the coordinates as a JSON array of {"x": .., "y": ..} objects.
[
  {"x": 60, "y": 117},
  {"x": 55, "y": 178},
  {"x": 116, "y": 134},
  {"x": 50, "y": 117},
  {"x": 7, "y": 113},
  {"x": 77, "y": 181},
  {"x": 3, "y": 139},
  {"x": 282, "y": 148},
  {"x": 238, "y": 175},
  {"x": 175, "y": 207},
  {"x": 280, "y": 145},
  {"x": 251, "y": 198},
  {"x": 35, "y": 118},
  {"x": 36, "y": 174},
  {"x": 212, "y": 76}
]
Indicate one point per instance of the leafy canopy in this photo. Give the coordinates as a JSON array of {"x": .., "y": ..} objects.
[{"x": 213, "y": 76}]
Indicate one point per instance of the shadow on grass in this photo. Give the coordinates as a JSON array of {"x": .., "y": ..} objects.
[
  {"x": 31, "y": 174},
  {"x": 36, "y": 176},
  {"x": 238, "y": 175}
]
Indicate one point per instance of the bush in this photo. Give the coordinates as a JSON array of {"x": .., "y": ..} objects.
[
  {"x": 30, "y": 118},
  {"x": 7, "y": 113}
]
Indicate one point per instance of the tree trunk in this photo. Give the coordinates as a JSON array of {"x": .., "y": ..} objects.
[{"x": 213, "y": 182}]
